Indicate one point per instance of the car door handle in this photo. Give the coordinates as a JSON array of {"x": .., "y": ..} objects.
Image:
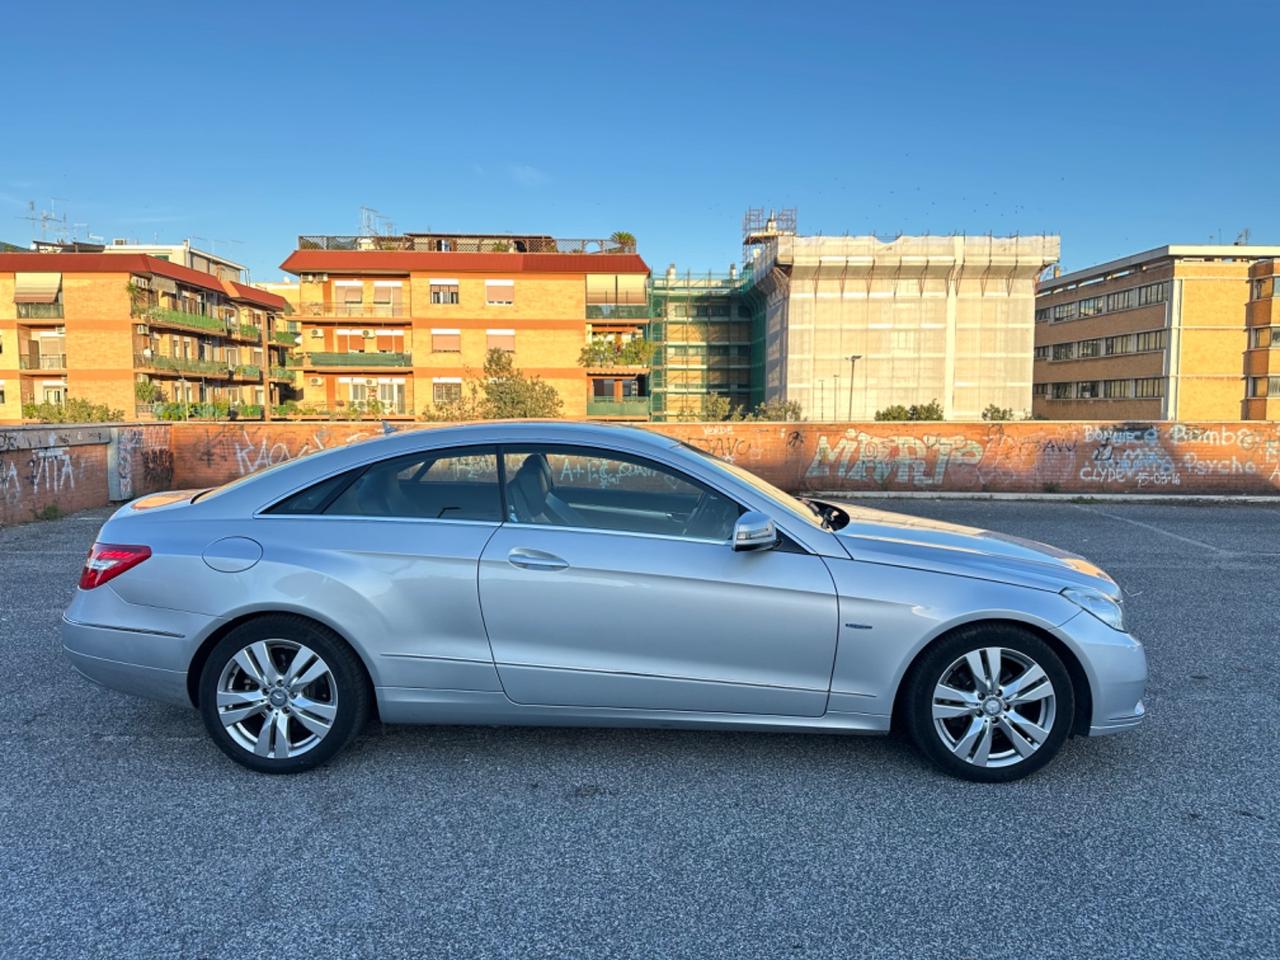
[{"x": 535, "y": 560}]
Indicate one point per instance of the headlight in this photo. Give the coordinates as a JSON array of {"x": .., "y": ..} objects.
[{"x": 1105, "y": 608}]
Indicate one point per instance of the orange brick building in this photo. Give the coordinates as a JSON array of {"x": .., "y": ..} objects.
[
  {"x": 1160, "y": 335},
  {"x": 1262, "y": 358},
  {"x": 396, "y": 325},
  {"x": 135, "y": 332}
]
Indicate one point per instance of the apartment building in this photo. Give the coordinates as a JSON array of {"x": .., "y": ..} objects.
[
  {"x": 136, "y": 333},
  {"x": 1262, "y": 351},
  {"x": 1159, "y": 335},
  {"x": 705, "y": 342},
  {"x": 854, "y": 324},
  {"x": 397, "y": 325},
  {"x": 183, "y": 254}
]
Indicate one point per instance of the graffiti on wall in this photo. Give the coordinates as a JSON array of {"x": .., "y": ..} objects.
[
  {"x": 234, "y": 450},
  {"x": 38, "y": 464},
  {"x": 1026, "y": 456}
]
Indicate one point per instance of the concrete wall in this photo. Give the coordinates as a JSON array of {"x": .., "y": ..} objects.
[{"x": 74, "y": 468}]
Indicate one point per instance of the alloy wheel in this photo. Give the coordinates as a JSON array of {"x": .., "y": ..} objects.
[
  {"x": 994, "y": 707},
  {"x": 277, "y": 698}
]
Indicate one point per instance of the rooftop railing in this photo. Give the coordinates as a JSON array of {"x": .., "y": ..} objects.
[
  {"x": 356, "y": 358},
  {"x": 462, "y": 243}
]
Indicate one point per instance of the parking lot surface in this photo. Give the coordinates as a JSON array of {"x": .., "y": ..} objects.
[{"x": 124, "y": 832}]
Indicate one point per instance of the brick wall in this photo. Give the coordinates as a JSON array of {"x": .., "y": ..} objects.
[
  {"x": 77, "y": 467},
  {"x": 1025, "y": 457},
  {"x": 74, "y": 468}
]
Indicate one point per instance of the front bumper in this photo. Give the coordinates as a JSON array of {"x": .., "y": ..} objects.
[{"x": 1116, "y": 666}]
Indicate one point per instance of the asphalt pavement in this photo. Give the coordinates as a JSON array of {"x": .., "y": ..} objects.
[{"x": 124, "y": 832}]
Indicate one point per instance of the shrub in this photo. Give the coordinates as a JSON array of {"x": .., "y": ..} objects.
[{"x": 73, "y": 410}]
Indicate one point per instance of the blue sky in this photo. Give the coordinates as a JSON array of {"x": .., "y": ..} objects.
[{"x": 1119, "y": 126}]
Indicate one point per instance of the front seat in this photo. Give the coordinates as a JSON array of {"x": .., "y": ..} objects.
[{"x": 532, "y": 498}]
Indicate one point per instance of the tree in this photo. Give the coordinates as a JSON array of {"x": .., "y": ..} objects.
[
  {"x": 502, "y": 393},
  {"x": 777, "y": 410},
  {"x": 992, "y": 412},
  {"x": 603, "y": 352},
  {"x": 924, "y": 411},
  {"x": 73, "y": 410},
  {"x": 623, "y": 239}
]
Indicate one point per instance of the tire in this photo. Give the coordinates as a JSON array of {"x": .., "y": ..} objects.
[
  {"x": 991, "y": 736},
  {"x": 295, "y": 712}
]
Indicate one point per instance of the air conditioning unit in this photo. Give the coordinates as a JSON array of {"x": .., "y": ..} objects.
[
  {"x": 317, "y": 334},
  {"x": 371, "y": 383},
  {"x": 368, "y": 334},
  {"x": 141, "y": 328},
  {"x": 316, "y": 381},
  {"x": 147, "y": 353}
]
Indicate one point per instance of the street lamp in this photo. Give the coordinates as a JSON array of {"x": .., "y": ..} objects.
[{"x": 853, "y": 358}]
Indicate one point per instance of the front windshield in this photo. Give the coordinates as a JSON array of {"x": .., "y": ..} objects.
[{"x": 791, "y": 504}]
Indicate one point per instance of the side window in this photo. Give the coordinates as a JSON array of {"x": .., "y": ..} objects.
[
  {"x": 315, "y": 497},
  {"x": 456, "y": 484},
  {"x": 605, "y": 490}
]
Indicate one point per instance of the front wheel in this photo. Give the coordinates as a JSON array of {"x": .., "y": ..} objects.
[
  {"x": 990, "y": 703},
  {"x": 282, "y": 694}
]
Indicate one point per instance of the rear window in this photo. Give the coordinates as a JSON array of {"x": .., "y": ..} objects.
[{"x": 455, "y": 484}]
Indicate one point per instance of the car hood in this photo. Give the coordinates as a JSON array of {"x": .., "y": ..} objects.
[{"x": 879, "y": 536}]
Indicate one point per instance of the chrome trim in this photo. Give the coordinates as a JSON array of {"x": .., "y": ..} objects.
[{"x": 104, "y": 626}]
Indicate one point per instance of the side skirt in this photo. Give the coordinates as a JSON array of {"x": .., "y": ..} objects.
[{"x": 415, "y": 705}]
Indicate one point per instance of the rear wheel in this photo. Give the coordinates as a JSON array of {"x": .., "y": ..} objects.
[
  {"x": 990, "y": 703},
  {"x": 281, "y": 694}
]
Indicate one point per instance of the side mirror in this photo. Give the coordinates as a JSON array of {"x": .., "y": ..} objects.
[{"x": 754, "y": 531}]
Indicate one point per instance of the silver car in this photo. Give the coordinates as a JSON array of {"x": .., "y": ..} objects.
[{"x": 562, "y": 573}]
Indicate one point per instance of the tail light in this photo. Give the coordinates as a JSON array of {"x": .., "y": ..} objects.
[{"x": 106, "y": 561}]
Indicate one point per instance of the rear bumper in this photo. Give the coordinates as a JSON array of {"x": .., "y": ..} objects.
[{"x": 144, "y": 651}]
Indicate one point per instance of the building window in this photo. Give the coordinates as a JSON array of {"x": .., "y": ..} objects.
[
  {"x": 444, "y": 291},
  {"x": 500, "y": 340},
  {"x": 1117, "y": 389},
  {"x": 446, "y": 341},
  {"x": 1088, "y": 390},
  {"x": 1064, "y": 311},
  {"x": 499, "y": 293},
  {"x": 1148, "y": 388},
  {"x": 446, "y": 391},
  {"x": 1091, "y": 307},
  {"x": 1064, "y": 351},
  {"x": 1151, "y": 340},
  {"x": 1264, "y": 387},
  {"x": 1042, "y": 353},
  {"x": 1265, "y": 337},
  {"x": 1122, "y": 300},
  {"x": 1043, "y": 314},
  {"x": 386, "y": 298},
  {"x": 349, "y": 295},
  {"x": 1040, "y": 390},
  {"x": 1062, "y": 391},
  {"x": 1089, "y": 348},
  {"x": 1, "y": 393},
  {"x": 1153, "y": 293},
  {"x": 1264, "y": 288}
]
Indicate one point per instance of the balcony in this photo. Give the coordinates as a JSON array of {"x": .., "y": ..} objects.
[
  {"x": 285, "y": 338},
  {"x": 217, "y": 369},
  {"x": 347, "y": 310},
  {"x": 357, "y": 359},
  {"x": 247, "y": 331},
  {"x": 281, "y": 373},
  {"x": 165, "y": 317},
  {"x": 39, "y": 311},
  {"x": 44, "y": 361},
  {"x": 633, "y": 408},
  {"x": 248, "y": 371},
  {"x": 617, "y": 311}
]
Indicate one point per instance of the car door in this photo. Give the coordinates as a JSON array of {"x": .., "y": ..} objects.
[
  {"x": 397, "y": 545},
  {"x": 612, "y": 583}
]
